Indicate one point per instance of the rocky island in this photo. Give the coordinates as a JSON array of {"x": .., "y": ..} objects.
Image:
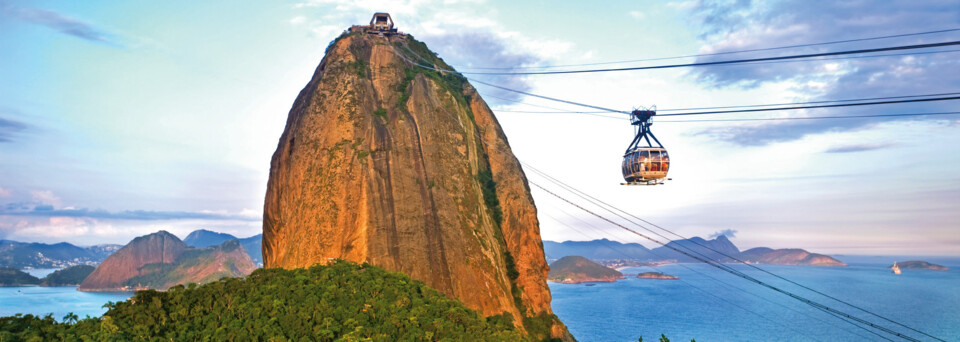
[
  {"x": 576, "y": 269},
  {"x": 788, "y": 256},
  {"x": 920, "y": 265},
  {"x": 656, "y": 275}
]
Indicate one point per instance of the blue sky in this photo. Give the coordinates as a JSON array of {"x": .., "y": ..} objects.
[{"x": 120, "y": 119}]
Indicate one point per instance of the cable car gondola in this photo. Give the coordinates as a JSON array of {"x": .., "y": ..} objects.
[{"x": 644, "y": 165}]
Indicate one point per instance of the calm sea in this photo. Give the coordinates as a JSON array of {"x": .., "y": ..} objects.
[
  {"x": 56, "y": 300},
  {"x": 707, "y": 304}
]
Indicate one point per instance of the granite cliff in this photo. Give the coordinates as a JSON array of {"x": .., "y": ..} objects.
[{"x": 407, "y": 169}]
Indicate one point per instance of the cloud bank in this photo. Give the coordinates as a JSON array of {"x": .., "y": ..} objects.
[
  {"x": 59, "y": 22},
  {"x": 744, "y": 25}
]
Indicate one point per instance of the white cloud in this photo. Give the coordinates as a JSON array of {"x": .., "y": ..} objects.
[
  {"x": 298, "y": 20},
  {"x": 46, "y": 197},
  {"x": 5, "y": 192},
  {"x": 637, "y": 15}
]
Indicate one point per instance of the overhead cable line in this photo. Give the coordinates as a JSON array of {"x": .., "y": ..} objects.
[
  {"x": 733, "y": 271},
  {"x": 720, "y": 53},
  {"x": 561, "y": 111},
  {"x": 610, "y": 208},
  {"x": 550, "y": 98},
  {"x": 815, "y": 117},
  {"x": 808, "y": 102},
  {"x": 734, "y": 61},
  {"x": 949, "y": 98},
  {"x": 502, "y": 88},
  {"x": 731, "y": 286},
  {"x": 727, "y": 284},
  {"x": 711, "y": 112},
  {"x": 729, "y": 270},
  {"x": 754, "y": 119}
]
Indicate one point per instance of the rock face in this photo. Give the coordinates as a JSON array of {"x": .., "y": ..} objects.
[
  {"x": 160, "y": 260},
  {"x": 407, "y": 169},
  {"x": 576, "y": 269},
  {"x": 788, "y": 256},
  {"x": 920, "y": 265}
]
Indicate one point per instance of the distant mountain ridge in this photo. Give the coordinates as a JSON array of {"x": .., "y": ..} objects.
[
  {"x": 21, "y": 255},
  {"x": 202, "y": 238},
  {"x": 161, "y": 260},
  {"x": 696, "y": 243},
  {"x": 602, "y": 249},
  {"x": 605, "y": 250}
]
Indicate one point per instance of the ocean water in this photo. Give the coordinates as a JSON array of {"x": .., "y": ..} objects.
[
  {"x": 708, "y": 304},
  {"x": 56, "y": 300}
]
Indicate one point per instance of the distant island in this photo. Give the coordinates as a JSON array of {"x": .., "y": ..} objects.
[
  {"x": 720, "y": 249},
  {"x": 919, "y": 265},
  {"x": 575, "y": 269},
  {"x": 656, "y": 275},
  {"x": 788, "y": 256},
  {"x": 70, "y": 276}
]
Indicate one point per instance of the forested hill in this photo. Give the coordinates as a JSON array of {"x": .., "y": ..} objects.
[{"x": 342, "y": 301}]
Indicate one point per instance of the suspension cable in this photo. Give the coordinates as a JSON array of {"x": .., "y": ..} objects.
[
  {"x": 610, "y": 208},
  {"x": 734, "y": 272},
  {"x": 720, "y": 53},
  {"x": 948, "y": 98},
  {"x": 733, "y": 61}
]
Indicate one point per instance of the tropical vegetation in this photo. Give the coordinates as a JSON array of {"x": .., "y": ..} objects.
[{"x": 340, "y": 301}]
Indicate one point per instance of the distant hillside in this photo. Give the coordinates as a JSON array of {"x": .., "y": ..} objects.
[
  {"x": 575, "y": 269},
  {"x": 790, "y": 256},
  {"x": 15, "y": 277},
  {"x": 202, "y": 238},
  {"x": 602, "y": 250},
  {"x": 252, "y": 246},
  {"x": 70, "y": 276},
  {"x": 596, "y": 250},
  {"x": 339, "y": 302},
  {"x": 60, "y": 255},
  {"x": 161, "y": 260},
  {"x": 720, "y": 244},
  {"x": 920, "y": 265}
]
